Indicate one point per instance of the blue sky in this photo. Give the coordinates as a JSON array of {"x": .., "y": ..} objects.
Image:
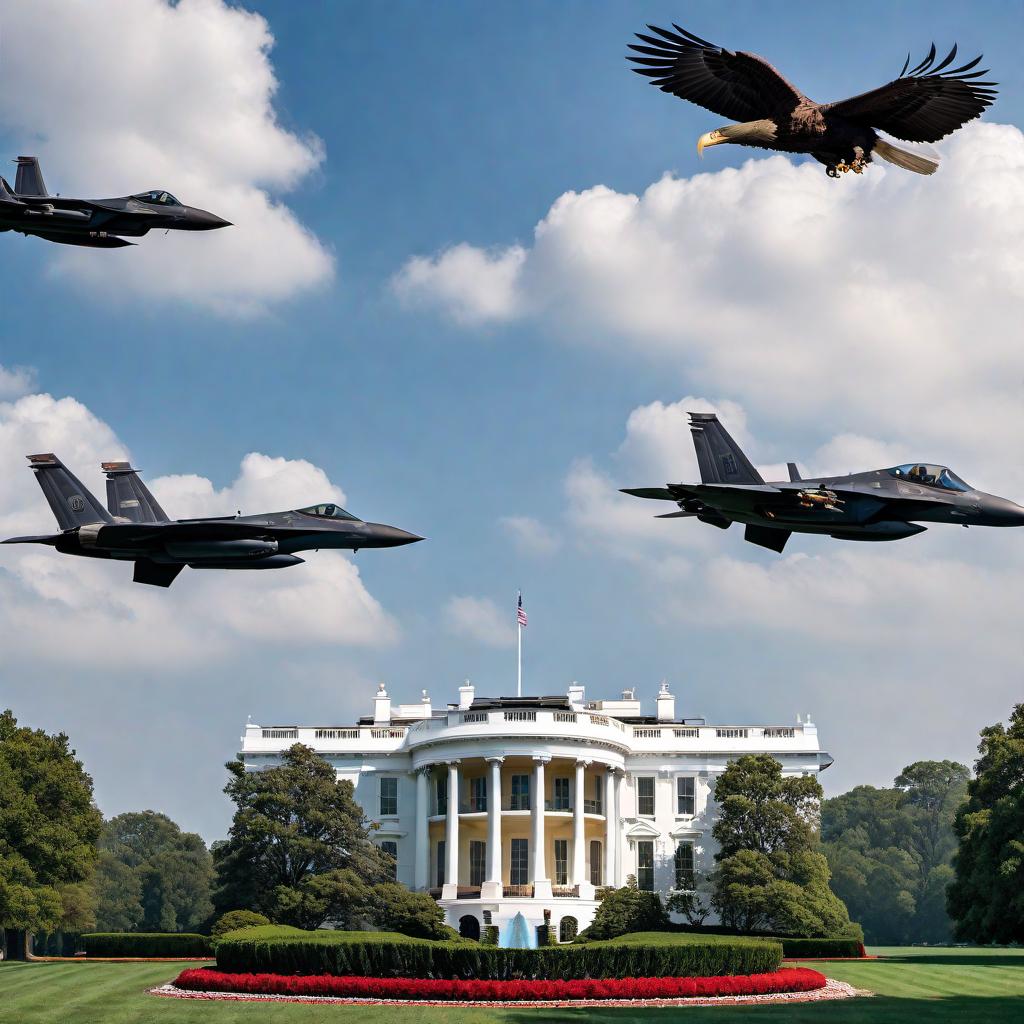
[{"x": 444, "y": 124}]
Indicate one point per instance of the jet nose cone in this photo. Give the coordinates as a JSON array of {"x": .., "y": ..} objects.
[
  {"x": 382, "y": 536},
  {"x": 1004, "y": 512},
  {"x": 201, "y": 220}
]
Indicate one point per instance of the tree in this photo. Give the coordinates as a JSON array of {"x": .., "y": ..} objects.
[
  {"x": 235, "y": 919},
  {"x": 395, "y": 908},
  {"x": 48, "y": 832},
  {"x": 299, "y": 849},
  {"x": 986, "y": 898},
  {"x": 771, "y": 874},
  {"x": 889, "y": 851},
  {"x": 152, "y": 876}
]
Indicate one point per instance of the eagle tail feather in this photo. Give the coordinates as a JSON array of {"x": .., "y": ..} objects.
[{"x": 904, "y": 158}]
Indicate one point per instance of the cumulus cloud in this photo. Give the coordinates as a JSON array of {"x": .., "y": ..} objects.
[
  {"x": 87, "y": 608},
  {"x": 479, "y": 619},
  {"x": 472, "y": 285},
  {"x": 884, "y": 305},
  {"x": 185, "y": 102},
  {"x": 16, "y": 381},
  {"x": 530, "y": 535}
]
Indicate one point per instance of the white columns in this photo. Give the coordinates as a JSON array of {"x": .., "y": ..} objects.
[
  {"x": 617, "y": 879},
  {"x": 610, "y": 825},
  {"x": 541, "y": 882},
  {"x": 450, "y": 890},
  {"x": 421, "y": 869},
  {"x": 579, "y": 843},
  {"x": 491, "y": 889}
]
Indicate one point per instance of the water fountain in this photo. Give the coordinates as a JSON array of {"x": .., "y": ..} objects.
[{"x": 520, "y": 935}]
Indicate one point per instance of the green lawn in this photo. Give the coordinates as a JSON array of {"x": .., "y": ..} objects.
[{"x": 917, "y": 986}]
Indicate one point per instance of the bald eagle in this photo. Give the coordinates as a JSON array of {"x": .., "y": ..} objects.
[{"x": 923, "y": 104}]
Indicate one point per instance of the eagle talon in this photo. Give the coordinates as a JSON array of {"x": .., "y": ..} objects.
[
  {"x": 858, "y": 165},
  {"x": 842, "y": 166}
]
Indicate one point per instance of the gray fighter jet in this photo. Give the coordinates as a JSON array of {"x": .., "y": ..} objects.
[
  {"x": 134, "y": 528},
  {"x": 97, "y": 223},
  {"x": 881, "y": 504}
]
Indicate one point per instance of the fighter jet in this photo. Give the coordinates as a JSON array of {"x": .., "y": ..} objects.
[
  {"x": 134, "y": 528},
  {"x": 97, "y": 223},
  {"x": 880, "y": 504}
]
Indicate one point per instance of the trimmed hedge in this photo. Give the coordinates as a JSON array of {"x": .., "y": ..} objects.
[
  {"x": 822, "y": 948},
  {"x": 276, "y": 950},
  {"x": 143, "y": 944}
]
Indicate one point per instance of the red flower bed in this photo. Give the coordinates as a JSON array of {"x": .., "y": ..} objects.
[{"x": 794, "y": 979}]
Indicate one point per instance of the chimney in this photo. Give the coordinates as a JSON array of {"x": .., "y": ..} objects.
[
  {"x": 575, "y": 694},
  {"x": 465, "y": 695},
  {"x": 666, "y": 704},
  {"x": 381, "y": 705}
]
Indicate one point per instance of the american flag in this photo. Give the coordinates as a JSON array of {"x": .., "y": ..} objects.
[{"x": 520, "y": 614}]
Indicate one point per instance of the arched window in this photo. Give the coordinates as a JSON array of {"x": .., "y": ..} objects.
[
  {"x": 567, "y": 929},
  {"x": 469, "y": 927}
]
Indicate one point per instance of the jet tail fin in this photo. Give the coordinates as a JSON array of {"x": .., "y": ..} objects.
[
  {"x": 128, "y": 497},
  {"x": 794, "y": 472},
  {"x": 29, "y": 181},
  {"x": 71, "y": 503},
  {"x": 718, "y": 456}
]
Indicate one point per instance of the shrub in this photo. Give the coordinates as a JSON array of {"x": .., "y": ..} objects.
[
  {"x": 235, "y": 919},
  {"x": 146, "y": 944},
  {"x": 395, "y": 908},
  {"x": 489, "y": 936},
  {"x": 387, "y": 954},
  {"x": 822, "y": 948},
  {"x": 627, "y": 910},
  {"x": 787, "y": 980}
]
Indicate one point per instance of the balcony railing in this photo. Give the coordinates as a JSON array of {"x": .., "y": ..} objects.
[
  {"x": 468, "y": 892},
  {"x": 563, "y": 891},
  {"x": 518, "y": 890}
]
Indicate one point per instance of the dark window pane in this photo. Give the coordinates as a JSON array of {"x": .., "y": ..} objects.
[
  {"x": 645, "y": 796},
  {"x": 440, "y": 863},
  {"x": 684, "y": 866},
  {"x": 561, "y": 862},
  {"x": 477, "y": 861},
  {"x": 388, "y": 797},
  {"x": 390, "y": 847},
  {"x": 645, "y": 865},
  {"x": 595, "y": 862},
  {"x": 520, "y": 793},
  {"x": 519, "y": 868},
  {"x": 684, "y": 795}
]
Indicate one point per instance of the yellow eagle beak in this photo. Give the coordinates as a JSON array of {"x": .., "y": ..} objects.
[{"x": 707, "y": 139}]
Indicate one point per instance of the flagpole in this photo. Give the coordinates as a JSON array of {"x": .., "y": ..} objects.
[{"x": 519, "y": 650}]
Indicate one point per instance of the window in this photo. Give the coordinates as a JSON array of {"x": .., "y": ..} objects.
[
  {"x": 477, "y": 861},
  {"x": 567, "y": 929},
  {"x": 595, "y": 862},
  {"x": 158, "y": 197},
  {"x": 478, "y": 794},
  {"x": 561, "y": 862},
  {"x": 441, "y": 789},
  {"x": 519, "y": 867},
  {"x": 684, "y": 866},
  {"x": 645, "y": 796},
  {"x": 560, "y": 792},
  {"x": 520, "y": 793},
  {"x": 390, "y": 847},
  {"x": 684, "y": 795},
  {"x": 930, "y": 476},
  {"x": 388, "y": 797},
  {"x": 598, "y": 782},
  {"x": 440, "y": 863},
  {"x": 645, "y": 865},
  {"x": 328, "y": 511}
]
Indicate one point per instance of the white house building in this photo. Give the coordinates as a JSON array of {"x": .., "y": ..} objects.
[{"x": 507, "y": 806}]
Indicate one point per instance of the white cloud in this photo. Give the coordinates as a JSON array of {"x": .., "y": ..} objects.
[
  {"x": 886, "y": 304},
  {"x": 87, "y": 608},
  {"x": 531, "y": 536},
  {"x": 472, "y": 285},
  {"x": 479, "y": 619},
  {"x": 16, "y": 381},
  {"x": 183, "y": 102}
]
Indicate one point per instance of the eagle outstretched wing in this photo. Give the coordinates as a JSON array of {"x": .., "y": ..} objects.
[
  {"x": 739, "y": 86},
  {"x": 924, "y": 104}
]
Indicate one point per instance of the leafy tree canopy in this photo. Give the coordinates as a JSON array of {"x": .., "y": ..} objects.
[
  {"x": 152, "y": 876},
  {"x": 986, "y": 898},
  {"x": 299, "y": 849},
  {"x": 48, "y": 831},
  {"x": 628, "y": 909},
  {"x": 235, "y": 919},
  {"x": 889, "y": 851},
  {"x": 771, "y": 874}
]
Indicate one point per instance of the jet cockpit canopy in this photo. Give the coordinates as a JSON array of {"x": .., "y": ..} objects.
[
  {"x": 930, "y": 476},
  {"x": 158, "y": 197},
  {"x": 329, "y": 511}
]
